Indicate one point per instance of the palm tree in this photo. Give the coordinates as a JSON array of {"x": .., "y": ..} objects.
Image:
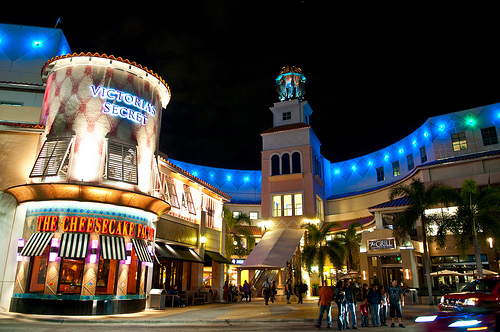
[
  {"x": 421, "y": 198},
  {"x": 236, "y": 234},
  {"x": 478, "y": 209},
  {"x": 317, "y": 249},
  {"x": 351, "y": 240}
]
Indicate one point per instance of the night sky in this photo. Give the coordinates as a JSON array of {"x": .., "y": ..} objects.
[{"x": 374, "y": 73}]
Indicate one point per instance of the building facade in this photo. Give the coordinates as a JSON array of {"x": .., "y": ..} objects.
[{"x": 95, "y": 216}]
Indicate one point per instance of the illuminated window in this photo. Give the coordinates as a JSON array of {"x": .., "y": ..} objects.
[
  {"x": 287, "y": 205},
  {"x": 489, "y": 136},
  {"x": 254, "y": 215},
  {"x": 410, "y": 162},
  {"x": 287, "y": 115},
  {"x": 53, "y": 158},
  {"x": 395, "y": 168},
  {"x": 423, "y": 155},
  {"x": 71, "y": 274},
  {"x": 134, "y": 274},
  {"x": 380, "y": 174},
  {"x": 38, "y": 272},
  {"x": 236, "y": 214},
  {"x": 106, "y": 276},
  {"x": 459, "y": 141},
  {"x": 189, "y": 200},
  {"x": 319, "y": 208},
  {"x": 174, "y": 200},
  {"x": 122, "y": 162}
]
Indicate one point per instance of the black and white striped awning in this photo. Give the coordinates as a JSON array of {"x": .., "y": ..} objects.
[
  {"x": 141, "y": 250},
  {"x": 36, "y": 244},
  {"x": 74, "y": 245},
  {"x": 113, "y": 248}
]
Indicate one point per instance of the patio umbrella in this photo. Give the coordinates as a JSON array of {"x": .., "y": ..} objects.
[
  {"x": 348, "y": 275},
  {"x": 446, "y": 273},
  {"x": 485, "y": 273}
]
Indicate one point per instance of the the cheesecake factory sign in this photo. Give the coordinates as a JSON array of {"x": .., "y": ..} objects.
[
  {"x": 382, "y": 244},
  {"x": 76, "y": 224}
]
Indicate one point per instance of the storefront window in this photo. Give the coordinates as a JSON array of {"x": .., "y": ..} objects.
[
  {"x": 106, "y": 276},
  {"x": 71, "y": 276},
  {"x": 134, "y": 274},
  {"x": 39, "y": 272}
]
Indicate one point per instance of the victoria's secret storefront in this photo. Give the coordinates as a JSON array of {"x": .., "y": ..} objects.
[{"x": 88, "y": 212}]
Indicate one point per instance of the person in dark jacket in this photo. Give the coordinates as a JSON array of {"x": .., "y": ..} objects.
[
  {"x": 374, "y": 300},
  {"x": 350, "y": 296}
]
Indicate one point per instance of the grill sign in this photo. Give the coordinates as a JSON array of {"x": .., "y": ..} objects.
[{"x": 382, "y": 244}]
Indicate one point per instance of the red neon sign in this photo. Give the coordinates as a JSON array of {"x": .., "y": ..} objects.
[{"x": 75, "y": 224}]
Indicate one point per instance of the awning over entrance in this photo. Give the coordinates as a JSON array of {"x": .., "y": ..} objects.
[
  {"x": 209, "y": 255},
  {"x": 74, "y": 245},
  {"x": 141, "y": 250},
  {"x": 113, "y": 247},
  {"x": 274, "y": 249},
  {"x": 177, "y": 253},
  {"x": 36, "y": 244}
]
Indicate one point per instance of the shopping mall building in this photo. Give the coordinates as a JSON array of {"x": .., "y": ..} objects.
[{"x": 94, "y": 216}]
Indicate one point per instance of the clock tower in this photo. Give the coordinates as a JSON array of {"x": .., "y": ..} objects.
[{"x": 293, "y": 188}]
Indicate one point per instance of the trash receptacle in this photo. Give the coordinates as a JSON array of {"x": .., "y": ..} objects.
[
  {"x": 411, "y": 296},
  {"x": 157, "y": 298}
]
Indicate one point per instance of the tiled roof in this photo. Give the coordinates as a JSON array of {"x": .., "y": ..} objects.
[
  {"x": 399, "y": 202},
  {"x": 344, "y": 224},
  {"x": 286, "y": 127},
  {"x": 110, "y": 57},
  {"x": 194, "y": 178}
]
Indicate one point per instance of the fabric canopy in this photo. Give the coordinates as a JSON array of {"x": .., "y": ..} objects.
[
  {"x": 274, "y": 249},
  {"x": 177, "y": 253},
  {"x": 209, "y": 255},
  {"x": 36, "y": 244}
]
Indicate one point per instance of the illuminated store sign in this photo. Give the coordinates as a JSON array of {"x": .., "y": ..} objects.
[
  {"x": 382, "y": 244},
  {"x": 75, "y": 224},
  {"x": 124, "y": 100},
  {"x": 237, "y": 261}
]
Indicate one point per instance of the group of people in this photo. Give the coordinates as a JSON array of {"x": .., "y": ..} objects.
[
  {"x": 269, "y": 290},
  {"x": 233, "y": 293},
  {"x": 373, "y": 302}
]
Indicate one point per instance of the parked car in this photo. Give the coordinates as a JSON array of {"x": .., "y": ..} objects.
[{"x": 481, "y": 293}]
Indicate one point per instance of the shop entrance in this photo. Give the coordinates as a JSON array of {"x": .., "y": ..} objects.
[{"x": 390, "y": 273}]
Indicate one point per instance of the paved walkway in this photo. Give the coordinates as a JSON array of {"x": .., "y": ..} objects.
[{"x": 255, "y": 311}]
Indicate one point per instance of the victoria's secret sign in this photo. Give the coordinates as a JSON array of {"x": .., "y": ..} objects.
[{"x": 75, "y": 224}]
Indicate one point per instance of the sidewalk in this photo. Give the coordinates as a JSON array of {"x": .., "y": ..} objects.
[{"x": 251, "y": 312}]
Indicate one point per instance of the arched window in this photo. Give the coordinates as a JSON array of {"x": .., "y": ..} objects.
[
  {"x": 296, "y": 165},
  {"x": 285, "y": 163},
  {"x": 275, "y": 165}
]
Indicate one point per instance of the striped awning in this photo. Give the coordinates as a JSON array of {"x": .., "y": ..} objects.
[
  {"x": 113, "y": 248},
  {"x": 74, "y": 245},
  {"x": 36, "y": 244},
  {"x": 141, "y": 250}
]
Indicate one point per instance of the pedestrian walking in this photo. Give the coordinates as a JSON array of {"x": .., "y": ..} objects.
[
  {"x": 363, "y": 309},
  {"x": 288, "y": 290},
  {"x": 350, "y": 297},
  {"x": 339, "y": 296},
  {"x": 266, "y": 290},
  {"x": 300, "y": 289},
  {"x": 383, "y": 306},
  {"x": 324, "y": 304},
  {"x": 246, "y": 291},
  {"x": 374, "y": 300},
  {"x": 273, "y": 291},
  {"x": 395, "y": 297}
]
